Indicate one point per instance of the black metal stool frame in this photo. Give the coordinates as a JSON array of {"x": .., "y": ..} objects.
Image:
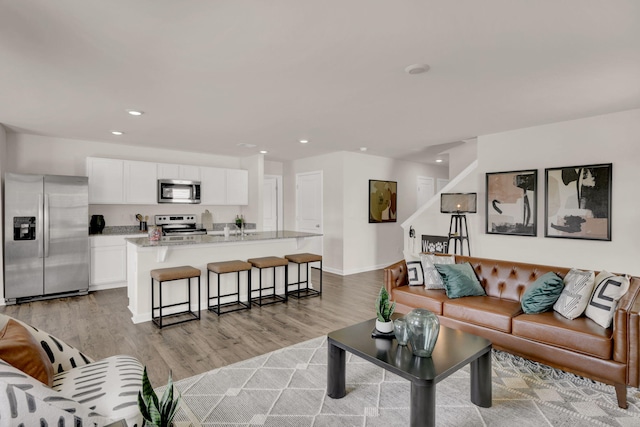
[
  {"x": 275, "y": 298},
  {"x": 217, "y": 308},
  {"x": 158, "y": 320},
  {"x": 308, "y": 292}
]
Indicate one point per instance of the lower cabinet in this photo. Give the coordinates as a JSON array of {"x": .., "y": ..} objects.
[{"x": 108, "y": 261}]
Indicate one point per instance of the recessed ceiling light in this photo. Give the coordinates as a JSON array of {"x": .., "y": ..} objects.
[
  {"x": 135, "y": 112},
  {"x": 417, "y": 68},
  {"x": 117, "y": 132},
  {"x": 304, "y": 141},
  {"x": 363, "y": 148},
  {"x": 438, "y": 160},
  {"x": 245, "y": 145},
  {"x": 263, "y": 151}
]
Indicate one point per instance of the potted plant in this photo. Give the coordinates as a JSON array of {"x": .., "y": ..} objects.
[
  {"x": 384, "y": 310},
  {"x": 157, "y": 413}
]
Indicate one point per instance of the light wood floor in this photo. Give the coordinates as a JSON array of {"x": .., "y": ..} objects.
[{"x": 99, "y": 324}]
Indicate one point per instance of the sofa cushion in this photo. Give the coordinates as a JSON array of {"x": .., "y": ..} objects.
[
  {"x": 110, "y": 386},
  {"x": 490, "y": 312},
  {"x": 460, "y": 280},
  {"x": 582, "y": 335},
  {"x": 432, "y": 279},
  {"x": 542, "y": 294},
  {"x": 22, "y": 351},
  {"x": 578, "y": 287},
  {"x": 28, "y": 402},
  {"x": 415, "y": 272},
  {"x": 419, "y": 297},
  {"x": 609, "y": 288}
]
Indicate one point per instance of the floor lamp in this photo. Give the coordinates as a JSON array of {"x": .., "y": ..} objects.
[{"x": 458, "y": 205}]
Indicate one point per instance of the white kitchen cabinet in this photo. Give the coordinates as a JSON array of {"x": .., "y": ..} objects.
[
  {"x": 237, "y": 187},
  {"x": 140, "y": 183},
  {"x": 175, "y": 171},
  {"x": 106, "y": 180},
  {"x": 108, "y": 262},
  {"x": 213, "y": 186}
]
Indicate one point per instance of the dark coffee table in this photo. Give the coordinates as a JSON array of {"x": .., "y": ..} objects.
[{"x": 454, "y": 349}]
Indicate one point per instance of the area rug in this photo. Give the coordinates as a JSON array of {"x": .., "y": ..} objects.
[{"x": 288, "y": 388}]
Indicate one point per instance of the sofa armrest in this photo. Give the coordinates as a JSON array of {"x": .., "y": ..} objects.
[
  {"x": 395, "y": 276},
  {"x": 626, "y": 332}
]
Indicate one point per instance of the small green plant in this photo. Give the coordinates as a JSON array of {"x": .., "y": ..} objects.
[
  {"x": 157, "y": 413},
  {"x": 384, "y": 307}
]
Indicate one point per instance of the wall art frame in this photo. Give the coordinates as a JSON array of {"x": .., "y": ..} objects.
[
  {"x": 578, "y": 202},
  {"x": 383, "y": 201},
  {"x": 512, "y": 203}
]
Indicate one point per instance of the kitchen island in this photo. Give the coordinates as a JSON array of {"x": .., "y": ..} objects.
[{"x": 197, "y": 251}]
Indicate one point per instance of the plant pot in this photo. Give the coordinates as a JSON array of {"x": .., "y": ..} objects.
[{"x": 384, "y": 327}]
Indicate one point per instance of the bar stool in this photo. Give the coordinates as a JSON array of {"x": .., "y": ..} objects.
[
  {"x": 269, "y": 262},
  {"x": 304, "y": 258},
  {"x": 225, "y": 267},
  {"x": 161, "y": 275}
]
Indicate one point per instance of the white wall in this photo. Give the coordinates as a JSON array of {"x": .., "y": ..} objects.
[
  {"x": 3, "y": 161},
  {"x": 462, "y": 156},
  {"x": 612, "y": 138},
  {"x": 60, "y": 156},
  {"x": 351, "y": 244}
]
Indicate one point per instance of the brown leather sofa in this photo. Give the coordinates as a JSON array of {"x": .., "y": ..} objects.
[{"x": 579, "y": 346}]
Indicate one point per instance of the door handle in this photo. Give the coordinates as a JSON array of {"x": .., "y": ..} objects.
[
  {"x": 39, "y": 233},
  {"x": 317, "y": 225},
  {"x": 47, "y": 234}
]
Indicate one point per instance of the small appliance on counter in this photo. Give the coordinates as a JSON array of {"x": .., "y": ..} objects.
[
  {"x": 207, "y": 220},
  {"x": 97, "y": 224},
  {"x": 179, "y": 225}
]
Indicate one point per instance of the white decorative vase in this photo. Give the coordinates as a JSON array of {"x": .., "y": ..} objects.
[{"x": 384, "y": 327}]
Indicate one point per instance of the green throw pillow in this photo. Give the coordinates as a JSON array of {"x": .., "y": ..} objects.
[
  {"x": 542, "y": 294},
  {"x": 460, "y": 280}
]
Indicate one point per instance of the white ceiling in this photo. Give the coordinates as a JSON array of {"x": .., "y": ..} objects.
[{"x": 211, "y": 74}]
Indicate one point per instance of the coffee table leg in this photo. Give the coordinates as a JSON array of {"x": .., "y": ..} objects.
[
  {"x": 423, "y": 405},
  {"x": 481, "y": 380},
  {"x": 336, "y": 375}
]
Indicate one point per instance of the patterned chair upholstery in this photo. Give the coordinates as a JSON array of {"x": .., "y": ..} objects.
[{"x": 84, "y": 392}]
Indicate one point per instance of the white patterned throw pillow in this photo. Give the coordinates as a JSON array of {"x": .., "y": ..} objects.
[
  {"x": 578, "y": 287},
  {"x": 609, "y": 289},
  {"x": 433, "y": 279},
  {"x": 415, "y": 273}
]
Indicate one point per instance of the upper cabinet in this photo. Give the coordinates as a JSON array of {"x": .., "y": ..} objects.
[{"x": 114, "y": 182}]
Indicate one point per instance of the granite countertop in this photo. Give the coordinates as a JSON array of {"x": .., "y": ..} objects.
[
  {"x": 209, "y": 239},
  {"x": 121, "y": 230}
]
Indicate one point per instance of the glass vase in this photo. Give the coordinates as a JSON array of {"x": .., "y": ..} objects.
[
  {"x": 424, "y": 327},
  {"x": 401, "y": 331}
]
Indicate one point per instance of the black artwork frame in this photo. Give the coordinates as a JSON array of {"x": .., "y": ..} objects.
[
  {"x": 383, "y": 201},
  {"x": 511, "y": 206},
  {"x": 578, "y": 202}
]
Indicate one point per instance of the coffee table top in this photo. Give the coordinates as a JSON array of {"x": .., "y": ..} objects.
[{"x": 454, "y": 349}]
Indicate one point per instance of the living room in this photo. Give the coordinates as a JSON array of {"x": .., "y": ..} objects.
[{"x": 589, "y": 115}]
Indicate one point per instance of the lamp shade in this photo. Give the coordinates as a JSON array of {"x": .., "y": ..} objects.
[{"x": 458, "y": 202}]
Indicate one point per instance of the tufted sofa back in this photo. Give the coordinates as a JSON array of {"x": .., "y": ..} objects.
[{"x": 507, "y": 279}]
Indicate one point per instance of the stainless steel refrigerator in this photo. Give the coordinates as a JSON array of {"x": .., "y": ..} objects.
[{"x": 46, "y": 236}]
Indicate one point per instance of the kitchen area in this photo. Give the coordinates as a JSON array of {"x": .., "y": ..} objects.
[{"x": 176, "y": 215}]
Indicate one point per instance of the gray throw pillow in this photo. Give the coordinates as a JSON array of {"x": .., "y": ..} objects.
[
  {"x": 432, "y": 279},
  {"x": 460, "y": 280},
  {"x": 578, "y": 287},
  {"x": 542, "y": 294}
]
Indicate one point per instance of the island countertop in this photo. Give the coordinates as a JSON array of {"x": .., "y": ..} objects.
[{"x": 210, "y": 239}]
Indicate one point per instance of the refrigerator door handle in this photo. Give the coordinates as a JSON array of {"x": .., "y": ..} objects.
[
  {"x": 46, "y": 226},
  {"x": 39, "y": 225}
]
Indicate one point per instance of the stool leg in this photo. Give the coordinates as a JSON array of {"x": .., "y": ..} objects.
[
  {"x": 299, "y": 280},
  {"x": 286, "y": 280},
  {"x": 208, "y": 288},
  {"x": 218, "y": 293},
  {"x": 198, "y": 308},
  {"x": 320, "y": 276},
  {"x": 189, "y": 309},
  {"x": 160, "y": 301},
  {"x": 248, "y": 288}
]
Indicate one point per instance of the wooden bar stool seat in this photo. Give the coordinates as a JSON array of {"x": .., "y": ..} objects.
[
  {"x": 269, "y": 262},
  {"x": 161, "y": 275},
  {"x": 306, "y": 291},
  {"x": 225, "y": 267}
]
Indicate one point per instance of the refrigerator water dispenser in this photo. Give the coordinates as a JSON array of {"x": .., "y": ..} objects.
[{"x": 24, "y": 228}]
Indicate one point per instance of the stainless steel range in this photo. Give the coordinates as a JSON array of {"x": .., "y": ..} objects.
[{"x": 179, "y": 225}]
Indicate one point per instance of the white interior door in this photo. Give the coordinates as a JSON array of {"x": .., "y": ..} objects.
[
  {"x": 426, "y": 190},
  {"x": 309, "y": 202},
  {"x": 272, "y": 203}
]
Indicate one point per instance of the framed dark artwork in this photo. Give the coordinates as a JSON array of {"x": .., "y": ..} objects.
[
  {"x": 383, "y": 201},
  {"x": 578, "y": 202},
  {"x": 435, "y": 244},
  {"x": 512, "y": 203}
]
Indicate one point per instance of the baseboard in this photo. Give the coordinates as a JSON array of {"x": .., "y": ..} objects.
[
  {"x": 355, "y": 270},
  {"x": 107, "y": 286}
]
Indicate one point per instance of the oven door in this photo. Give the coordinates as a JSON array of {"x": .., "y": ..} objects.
[{"x": 178, "y": 191}]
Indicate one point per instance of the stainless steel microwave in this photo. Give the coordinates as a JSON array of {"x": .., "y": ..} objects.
[{"x": 178, "y": 191}]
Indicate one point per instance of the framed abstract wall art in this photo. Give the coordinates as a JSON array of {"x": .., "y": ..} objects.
[
  {"x": 383, "y": 201},
  {"x": 512, "y": 203},
  {"x": 578, "y": 202}
]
